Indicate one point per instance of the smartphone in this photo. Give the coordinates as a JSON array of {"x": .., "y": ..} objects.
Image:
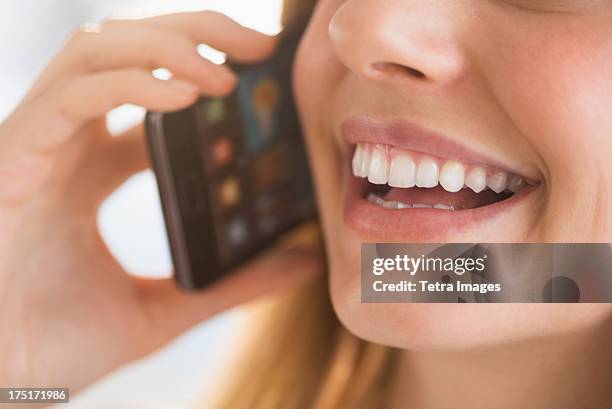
[{"x": 232, "y": 172}]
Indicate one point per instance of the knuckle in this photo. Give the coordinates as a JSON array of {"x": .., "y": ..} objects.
[
  {"x": 57, "y": 98},
  {"x": 216, "y": 17},
  {"x": 59, "y": 89},
  {"x": 211, "y": 14},
  {"x": 209, "y": 17},
  {"x": 60, "y": 92}
]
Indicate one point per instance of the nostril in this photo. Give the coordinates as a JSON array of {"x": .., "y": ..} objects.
[
  {"x": 414, "y": 72},
  {"x": 394, "y": 70}
]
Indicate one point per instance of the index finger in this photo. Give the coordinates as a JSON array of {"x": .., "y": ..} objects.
[{"x": 240, "y": 43}]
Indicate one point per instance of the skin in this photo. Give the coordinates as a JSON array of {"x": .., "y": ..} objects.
[
  {"x": 528, "y": 83},
  {"x": 64, "y": 300},
  {"x": 516, "y": 80}
]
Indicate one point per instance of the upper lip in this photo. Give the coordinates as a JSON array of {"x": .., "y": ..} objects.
[{"x": 413, "y": 137}]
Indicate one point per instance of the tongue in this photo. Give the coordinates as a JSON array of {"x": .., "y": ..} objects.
[{"x": 464, "y": 199}]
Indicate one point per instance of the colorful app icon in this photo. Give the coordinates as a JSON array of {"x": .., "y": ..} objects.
[
  {"x": 260, "y": 99},
  {"x": 222, "y": 151},
  {"x": 265, "y": 99},
  {"x": 229, "y": 192},
  {"x": 215, "y": 111},
  {"x": 271, "y": 168},
  {"x": 237, "y": 232}
]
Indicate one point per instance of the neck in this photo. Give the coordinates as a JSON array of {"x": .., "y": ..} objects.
[{"x": 574, "y": 371}]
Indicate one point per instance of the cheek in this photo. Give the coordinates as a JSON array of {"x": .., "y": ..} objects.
[
  {"x": 317, "y": 70},
  {"x": 313, "y": 90},
  {"x": 566, "y": 97},
  {"x": 316, "y": 75},
  {"x": 558, "y": 93}
]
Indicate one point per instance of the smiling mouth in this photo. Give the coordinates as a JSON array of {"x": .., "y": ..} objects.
[
  {"x": 408, "y": 183},
  {"x": 399, "y": 179}
]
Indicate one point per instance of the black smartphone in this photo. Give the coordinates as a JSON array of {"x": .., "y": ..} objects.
[{"x": 232, "y": 173}]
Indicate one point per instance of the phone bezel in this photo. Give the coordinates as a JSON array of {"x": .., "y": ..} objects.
[{"x": 171, "y": 208}]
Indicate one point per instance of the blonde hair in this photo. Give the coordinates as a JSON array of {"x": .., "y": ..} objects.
[{"x": 302, "y": 357}]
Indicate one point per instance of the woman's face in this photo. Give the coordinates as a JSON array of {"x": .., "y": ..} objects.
[{"x": 511, "y": 98}]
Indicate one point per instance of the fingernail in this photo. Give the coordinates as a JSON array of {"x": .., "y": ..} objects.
[{"x": 184, "y": 87}]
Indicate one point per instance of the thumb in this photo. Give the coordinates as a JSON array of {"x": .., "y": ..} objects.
[{"x": 173, "y": 311}]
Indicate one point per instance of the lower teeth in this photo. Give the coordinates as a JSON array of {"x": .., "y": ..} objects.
[{"x": 377, "y": 200}]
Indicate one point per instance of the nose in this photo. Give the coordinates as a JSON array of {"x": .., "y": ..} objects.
[{"x": 399, "y": 41}]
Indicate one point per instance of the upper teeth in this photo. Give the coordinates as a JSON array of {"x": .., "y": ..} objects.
[{"x": 382, "y": 164}]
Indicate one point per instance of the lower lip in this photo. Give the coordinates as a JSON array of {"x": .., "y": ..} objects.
[{"x": 374, "y": 223}]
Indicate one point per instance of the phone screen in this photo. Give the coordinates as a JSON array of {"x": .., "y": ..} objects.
[
  {"x": 252, "y": 149},
  {"x": 232, "y": 172}
]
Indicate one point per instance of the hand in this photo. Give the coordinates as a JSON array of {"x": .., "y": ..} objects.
[{"x": 68, "y": 312}]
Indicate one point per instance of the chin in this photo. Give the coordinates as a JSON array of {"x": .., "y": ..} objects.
[{"x": 427, "y": 327}]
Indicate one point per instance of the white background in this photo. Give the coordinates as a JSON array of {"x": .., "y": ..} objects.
[{"x": 31, "y": 32}]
